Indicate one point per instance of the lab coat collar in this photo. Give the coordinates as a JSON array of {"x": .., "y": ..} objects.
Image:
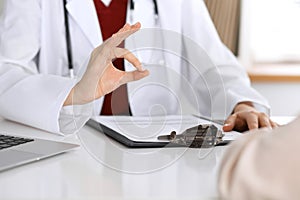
[{"x": 85, "y": 15}]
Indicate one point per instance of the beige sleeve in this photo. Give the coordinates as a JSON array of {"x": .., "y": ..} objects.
[{"x": 263, "y": 164}]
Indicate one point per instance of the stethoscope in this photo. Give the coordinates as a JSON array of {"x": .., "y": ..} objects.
[
  {"x": 68, "y": 35},
  {"x": 68, "y": 41}
]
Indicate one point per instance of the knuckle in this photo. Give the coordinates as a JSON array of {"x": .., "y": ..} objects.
[
  {"x": 264, "y": 115},
  {"x": 230, "y": 118},
  {"x": 233, "y": 115},
  {"x": 253, "y": 112}
]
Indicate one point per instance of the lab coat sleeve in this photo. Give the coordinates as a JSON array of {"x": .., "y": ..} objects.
[
  {"x": 263, "y": 164},
  {"x": 73, "y": 118},
  {"x": 32, "y": 99},
  {"x": 25, "y": 95},
  {"x": 225, "y": 78}
]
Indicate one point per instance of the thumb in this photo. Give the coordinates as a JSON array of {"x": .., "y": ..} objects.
[{"x": 133, "y": 76}]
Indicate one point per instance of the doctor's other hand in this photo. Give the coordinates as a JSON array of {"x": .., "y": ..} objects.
[
  {"x": 246, "y": 117},
  {"x": 101, "y": 76}
]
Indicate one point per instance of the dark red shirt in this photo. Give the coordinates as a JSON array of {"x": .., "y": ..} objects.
[{"x": 111, "y": 19}]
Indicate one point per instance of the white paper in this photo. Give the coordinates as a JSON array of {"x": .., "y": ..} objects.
[{"x": 147, "y": 129}]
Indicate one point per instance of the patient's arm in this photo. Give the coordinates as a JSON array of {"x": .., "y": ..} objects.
[{"x": 263, "y": 164}]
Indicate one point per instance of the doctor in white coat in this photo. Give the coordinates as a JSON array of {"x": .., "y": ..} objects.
[{"x": 34, "y": 82}]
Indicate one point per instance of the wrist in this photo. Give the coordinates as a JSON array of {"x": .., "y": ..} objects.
[
  {"x": 69, "y": 99},
  {"x": 77, "y": 97}
]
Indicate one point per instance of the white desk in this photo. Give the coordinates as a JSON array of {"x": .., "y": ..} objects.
[{"x": 103, "y": 169}]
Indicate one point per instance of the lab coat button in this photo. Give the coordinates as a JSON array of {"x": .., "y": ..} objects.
[{"x": 161, "y": 62}]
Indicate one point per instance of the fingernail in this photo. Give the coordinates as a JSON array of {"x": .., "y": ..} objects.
[
  {"x": 137, "y": 24},
  {"x": 226, "y": 124},
  {"x": 141, "y": 68}
]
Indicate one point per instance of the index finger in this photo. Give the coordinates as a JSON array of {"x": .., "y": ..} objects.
[
  {"x": 124, "y": 28},
  {"x": 124, "y": 33}
]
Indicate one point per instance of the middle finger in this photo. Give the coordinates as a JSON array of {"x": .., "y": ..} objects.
[{"x": 252, "y": 121}]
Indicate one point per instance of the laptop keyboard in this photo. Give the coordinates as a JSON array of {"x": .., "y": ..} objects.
[{"x": 7, "y": 141}]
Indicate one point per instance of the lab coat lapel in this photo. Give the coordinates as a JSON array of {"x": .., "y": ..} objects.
[{"x": 84, "y": 14}]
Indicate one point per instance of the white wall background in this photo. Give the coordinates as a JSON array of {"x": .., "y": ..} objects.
[
  {"x": 284, "y": 98},
  {"x": 1, "y": 5}
]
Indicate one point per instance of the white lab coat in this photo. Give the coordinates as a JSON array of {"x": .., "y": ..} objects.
[{"x": 33, "y": 62}]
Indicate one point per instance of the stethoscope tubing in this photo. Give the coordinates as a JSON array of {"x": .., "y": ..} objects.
[
  {"x": 68, "y": 42},
  {"x": 154, "y": 2}
]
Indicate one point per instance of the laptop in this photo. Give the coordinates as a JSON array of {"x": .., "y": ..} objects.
[{"x": 16, "y": 151}]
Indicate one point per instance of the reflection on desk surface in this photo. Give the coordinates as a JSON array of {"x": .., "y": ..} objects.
[
  {"x": 191, "y": 174},
  {"x": 121, "y": 172}
]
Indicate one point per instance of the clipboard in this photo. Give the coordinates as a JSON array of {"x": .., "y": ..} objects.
[
  {"x": 123, "y": 139},
  {"x": 107, "y": 127}
]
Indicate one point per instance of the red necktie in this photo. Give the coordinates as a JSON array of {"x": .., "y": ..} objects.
[{"x": 111, "y": 19}]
